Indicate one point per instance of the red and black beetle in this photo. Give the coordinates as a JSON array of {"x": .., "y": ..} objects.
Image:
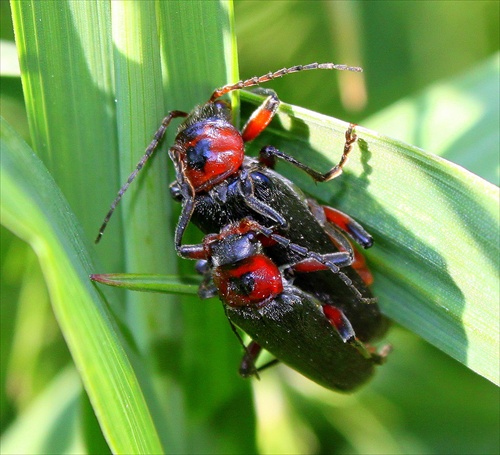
[{"x": 315, "y": 339}]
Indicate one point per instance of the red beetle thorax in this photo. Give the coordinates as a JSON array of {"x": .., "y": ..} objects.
[
  {"x": 212, "y": 155},
  {"x": 252, "y": 281}
]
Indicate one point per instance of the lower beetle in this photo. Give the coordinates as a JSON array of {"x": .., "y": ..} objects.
[{"x": 315, "y": 339}]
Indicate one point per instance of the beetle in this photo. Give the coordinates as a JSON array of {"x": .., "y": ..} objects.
[
  {"x": 218, "y": 185},
  {"x": 314, "y": 338}
]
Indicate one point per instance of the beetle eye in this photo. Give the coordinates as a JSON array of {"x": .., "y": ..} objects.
[{"x": 242, "y": 285}]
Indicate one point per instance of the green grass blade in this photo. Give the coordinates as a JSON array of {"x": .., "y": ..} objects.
[
  {"x": 66, "y": 59},
  {"x": 435, "y": 227},
  {"x": 52, "y": 414},
  {"x": 35, "y": 210},
  {"x": 150, "y": 283},
  {"x": 98, "y": 79}
]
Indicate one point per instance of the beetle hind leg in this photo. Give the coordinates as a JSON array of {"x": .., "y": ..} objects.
[
  {"x": 247, "y": 365},
  {"x": 337, "y": 225}
]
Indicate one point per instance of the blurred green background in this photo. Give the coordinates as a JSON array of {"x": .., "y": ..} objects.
[
  {"x": 402, "y": 46},
  {"x": 421, "y": 401}
]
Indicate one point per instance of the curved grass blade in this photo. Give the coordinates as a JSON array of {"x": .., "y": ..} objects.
[
  {"x": 150, "y": 283},
  {"x": 35, "y": 210},
  {"x": 435, "y": 226}
]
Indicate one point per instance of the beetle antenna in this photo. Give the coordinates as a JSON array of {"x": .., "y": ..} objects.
[
  {"x": 147, "y": 154},
  {"x": 277, "y": 74}
]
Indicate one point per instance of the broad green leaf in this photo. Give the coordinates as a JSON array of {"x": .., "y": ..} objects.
[
  {"x": 35, "y": 210},
  {"x": 457, "y": 120},
  {"x": 435, "y": 226}
]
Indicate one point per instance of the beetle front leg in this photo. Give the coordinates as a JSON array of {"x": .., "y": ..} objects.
[
  {"x": 262, "y": 116},
  {"x": 313, "y": 261},
  {"x": 269, "y": 154},
  {"x": 184, "y": 251},
  {"x": 246, "y": 190}
]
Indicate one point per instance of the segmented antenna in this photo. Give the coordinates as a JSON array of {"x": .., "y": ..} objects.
[
  {"x": 147, "y": 154},
  {"x": 277, "y": 74}
]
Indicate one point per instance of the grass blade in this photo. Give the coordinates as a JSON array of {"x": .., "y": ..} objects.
[
  {"x": 98, "y": 79},
  {"x": 435, "y": 227},
  {"x": 150, "y": 283},
  {"x": 35, "y": 210}
]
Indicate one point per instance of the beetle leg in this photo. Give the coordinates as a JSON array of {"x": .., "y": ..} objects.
[
  {"x": 359, "y": 264},
  {"x": 247, "y": 365},
  {"x": 186, "y": 192},
  {"x": 245, "y": 189},
  {"x": 320, "y": 262},
  {"x": 351, "y": 227},
  {"x": 313, "y": 261},
  {"x": 269, "y": 154},
  {"x": 207, "y": 287},
  {"x": 317, "y": 262},
  {"x": 252, "y": 351},
  {"x": 334, "y": 220},
  {"x": 338, "y": 319},
  {"x": 344, "y": 328},
  {"x": 262, "y": 116},
  {"x": 184, "y": 251}
]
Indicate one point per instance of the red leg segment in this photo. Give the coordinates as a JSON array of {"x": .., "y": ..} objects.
[
  {"x": 348, "y": 225},
  {"x": 261, "y": 117},
  {"x": 340, "y": 322}
]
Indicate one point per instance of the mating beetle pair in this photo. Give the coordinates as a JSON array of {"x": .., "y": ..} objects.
[{"x": 309, "y": 246}]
